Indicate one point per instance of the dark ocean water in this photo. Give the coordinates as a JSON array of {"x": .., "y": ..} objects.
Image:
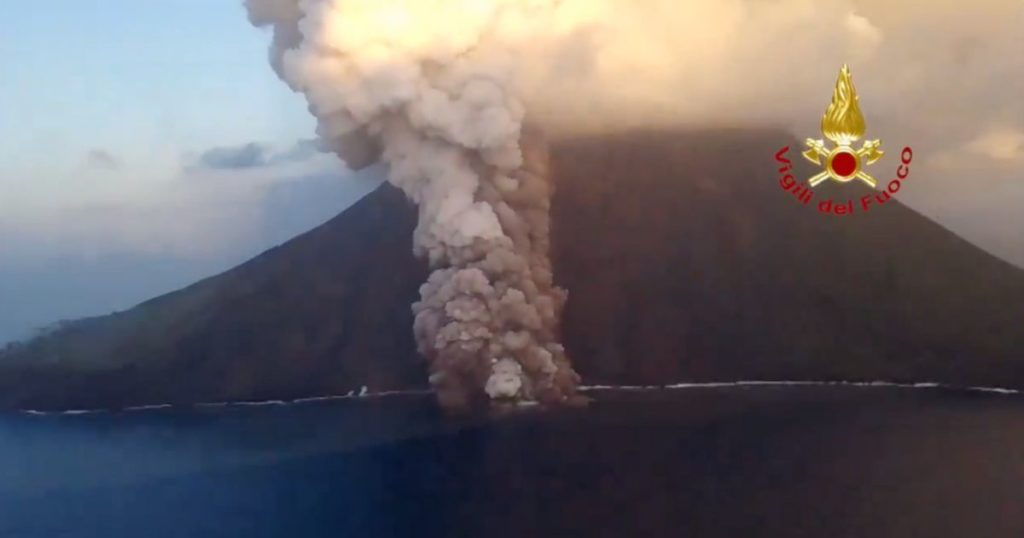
[{"x": 757, "y": 461}]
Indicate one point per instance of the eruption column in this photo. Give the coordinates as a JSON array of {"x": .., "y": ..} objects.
[{"x": 432, "y": 86}]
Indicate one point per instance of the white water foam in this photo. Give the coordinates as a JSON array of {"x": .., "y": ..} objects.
[
  {"x": 365, "y": 393},
  {"x": 928, "y": 385}
]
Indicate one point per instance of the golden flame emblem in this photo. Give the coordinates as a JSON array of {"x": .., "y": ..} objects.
[{"x": 843, "y": 124}]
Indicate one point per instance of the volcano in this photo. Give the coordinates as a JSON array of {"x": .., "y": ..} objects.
[{"x": 684, "y": 260}]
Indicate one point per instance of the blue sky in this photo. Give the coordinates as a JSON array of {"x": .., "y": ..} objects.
[
  {"x": 144, "y": 145},
  {"x": 146, "y": 81}
]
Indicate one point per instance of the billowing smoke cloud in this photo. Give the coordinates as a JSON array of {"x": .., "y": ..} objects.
[
  {"x": 433, "y": 85},
  {"x": 441, "y": 91},
  {"x": 575, "y": 64}
]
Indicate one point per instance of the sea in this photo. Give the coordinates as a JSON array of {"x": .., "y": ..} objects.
[{"x": 764, "y": 460}]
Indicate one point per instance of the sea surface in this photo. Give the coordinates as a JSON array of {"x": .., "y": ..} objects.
[{"x": 761, "y": 461}]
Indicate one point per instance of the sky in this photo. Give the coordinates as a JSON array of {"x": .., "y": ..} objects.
[
  {"x": 144, "y": 145},
  {"x": 142, "y": 83},
  {"x": 147, "y": 144}
]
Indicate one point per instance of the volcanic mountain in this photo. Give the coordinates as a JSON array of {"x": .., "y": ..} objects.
[{"x": 684, "y": 259}]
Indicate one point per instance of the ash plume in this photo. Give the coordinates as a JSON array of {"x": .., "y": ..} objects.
[
  {"x": 429, "y": 85},
  {"x": 441, "y": 91}
]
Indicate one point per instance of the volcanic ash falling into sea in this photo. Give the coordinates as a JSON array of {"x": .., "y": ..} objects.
[{"x": 430, "y": 85}]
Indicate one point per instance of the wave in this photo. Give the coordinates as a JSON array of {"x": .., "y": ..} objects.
[
  {"x": 365, "y": 393},
  {"x": 868, "y": 384}
]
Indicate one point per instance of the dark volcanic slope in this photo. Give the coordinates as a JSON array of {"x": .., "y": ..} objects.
[
  {"x": 325, "y": 313},
  {"x": 684, "y": 260}
]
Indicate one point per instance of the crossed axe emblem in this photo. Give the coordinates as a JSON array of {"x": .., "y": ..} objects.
[{"x": 843, "y": 163}]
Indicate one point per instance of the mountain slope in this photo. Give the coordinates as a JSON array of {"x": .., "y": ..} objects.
[
  {"x": 283, "y": 325},
  {"x": 686, "y": 260},
  {"x": 683, "y": 257}
]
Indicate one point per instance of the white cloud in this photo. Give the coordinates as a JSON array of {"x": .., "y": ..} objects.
[
  {"x": 1002, "y": 144},
  {"x": 193, "y": 215}
]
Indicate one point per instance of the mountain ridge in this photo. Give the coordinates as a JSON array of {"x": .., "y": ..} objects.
[{"x": 684, "y": 260}]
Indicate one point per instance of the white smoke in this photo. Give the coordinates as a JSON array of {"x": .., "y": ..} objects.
[
  {"x": 433, "y": 85},
  {"x": 441, "y": 88},
  {"x": 441, "y": 91},
  {"x": 575, "y": 64}
]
